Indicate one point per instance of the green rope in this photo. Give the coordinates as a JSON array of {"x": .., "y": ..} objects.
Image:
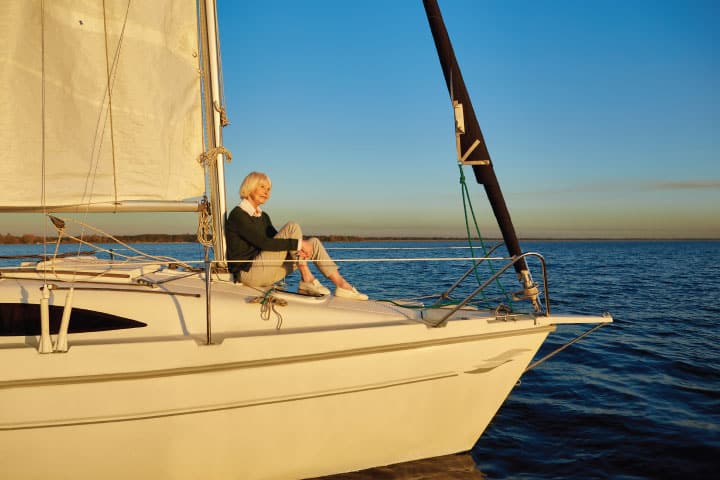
[
  {"x": 465, "y": 195},
  {"x": 467, "y": 204}
]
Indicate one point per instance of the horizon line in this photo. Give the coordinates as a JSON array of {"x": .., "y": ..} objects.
[{"x": 348, "y": 237}]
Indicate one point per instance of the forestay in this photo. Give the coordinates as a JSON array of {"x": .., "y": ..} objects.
[{"x": 101, "y": 102}]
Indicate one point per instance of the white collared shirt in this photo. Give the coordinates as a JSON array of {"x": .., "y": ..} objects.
[{"x": 249, "y": 208}]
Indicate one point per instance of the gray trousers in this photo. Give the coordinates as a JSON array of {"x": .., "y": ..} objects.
[{"x": 269, "y": 267}]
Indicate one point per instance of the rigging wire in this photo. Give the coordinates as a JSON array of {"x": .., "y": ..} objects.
[
  {"x": 104, "y": 114},
  {"x": 57, "y": 221},
  {"x": 563, "y": 347},
  {"x": 109, "y": 95}
]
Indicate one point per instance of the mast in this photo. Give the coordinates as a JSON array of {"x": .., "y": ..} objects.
[
  {"x": 471, "y": 147},
  {"x": 214, "y": 124}
]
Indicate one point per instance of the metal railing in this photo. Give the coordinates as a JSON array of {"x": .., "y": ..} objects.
[
  {"x": 443, "y": 321},
  {"x": 446, "y": 294}
]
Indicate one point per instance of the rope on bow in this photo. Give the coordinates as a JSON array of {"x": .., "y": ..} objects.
[{"x": 268, "y": 302}]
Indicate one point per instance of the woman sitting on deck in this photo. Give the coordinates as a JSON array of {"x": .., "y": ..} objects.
[{"x": 275, "y": 254}]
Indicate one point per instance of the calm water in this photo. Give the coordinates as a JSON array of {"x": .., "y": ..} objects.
[{"x": 639, "y": 399}]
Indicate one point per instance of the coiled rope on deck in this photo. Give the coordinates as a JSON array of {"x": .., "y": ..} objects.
[{"x": 268, "y": 304}]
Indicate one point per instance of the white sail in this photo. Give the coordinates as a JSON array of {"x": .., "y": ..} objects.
[{"x": 101, "y": 102}]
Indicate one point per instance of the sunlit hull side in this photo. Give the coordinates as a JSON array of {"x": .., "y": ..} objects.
[{"x": 340, "y": 386}]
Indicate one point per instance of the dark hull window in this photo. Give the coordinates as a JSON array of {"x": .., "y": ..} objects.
[{"x": 24, "y": 319}]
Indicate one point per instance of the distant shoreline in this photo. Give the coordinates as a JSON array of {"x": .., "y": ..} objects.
[{"x": 31, "y": 239}]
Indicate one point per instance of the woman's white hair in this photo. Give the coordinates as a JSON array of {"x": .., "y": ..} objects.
[{"x": 251, "y": 182}]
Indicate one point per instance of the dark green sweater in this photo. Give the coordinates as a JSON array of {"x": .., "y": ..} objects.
[{"x": 247, "y": 236}]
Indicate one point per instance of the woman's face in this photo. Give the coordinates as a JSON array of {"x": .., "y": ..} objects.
[{"x": 261, "y": 193}]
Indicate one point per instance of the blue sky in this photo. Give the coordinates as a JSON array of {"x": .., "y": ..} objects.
[{"x": 601, "y": 117}]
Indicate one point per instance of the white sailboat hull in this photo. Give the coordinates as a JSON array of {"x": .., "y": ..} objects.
[{"x": 340, "y": 386}]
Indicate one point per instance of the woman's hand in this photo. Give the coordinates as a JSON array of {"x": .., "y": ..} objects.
[{"x": 305, "y": 251}]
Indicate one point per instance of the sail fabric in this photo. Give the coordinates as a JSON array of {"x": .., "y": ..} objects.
[{"x": 99, "y": 102}]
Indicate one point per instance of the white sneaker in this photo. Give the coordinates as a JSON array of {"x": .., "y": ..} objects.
[
  {"x": 313, "y": 288},
  {"x": 351, "y": 294}
]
